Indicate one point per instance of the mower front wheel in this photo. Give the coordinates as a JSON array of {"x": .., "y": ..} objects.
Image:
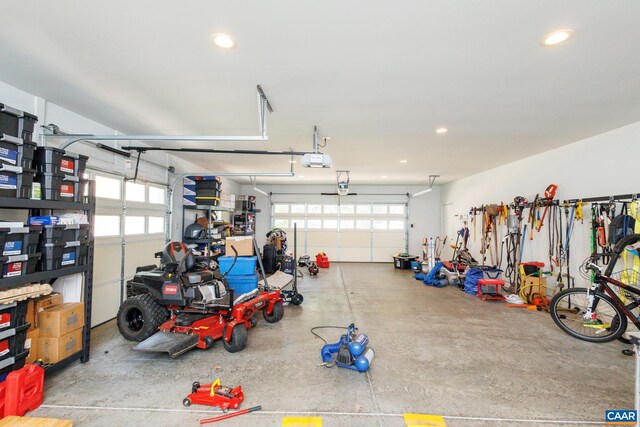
[
  {"x": 139, "y": 317},
  {"x": 238, "y": 339},
  {"x": 276, "y": 313},
  {"x": 186, "y": 402}
]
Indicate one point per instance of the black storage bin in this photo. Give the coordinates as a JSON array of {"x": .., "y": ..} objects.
[
  {"x": 81, "y": 257},
  {"x": 70, "y": 255},
  {"x": 13, "y": 363},
  {"x": 13, "y": 315},
  {"x": 16, "y": 123},
  {"x": 208, "y": 185},
  {"x": 51, "y": 256},
  {"x": 207, "y": 201},
  {"x": 70, "y": 189},
  {"x": 16, "y": 152},
  {"x": 48, "y": 159},
  {"x": 9, "y": 120},
  {"x": 12, "y": 341},
  {"x": 15, "y": 182},
  {"x": 84, "y": 233},
  {"x": 403, "y": 262},
  {"x": 19, "y": 265},
  {"x": 19, "y": 241},
  {"x": 75, "y": 233},
  {"x": 49, "y": 185},
  {"x": 73, "y": 164},
  {"x": 25, "y": 126},
  {"x": 52, "y": 234}
]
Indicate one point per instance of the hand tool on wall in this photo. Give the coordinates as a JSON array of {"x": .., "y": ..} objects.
[
  {"x": 549, "y": 194},
  {"x": 532, "y": 215}
]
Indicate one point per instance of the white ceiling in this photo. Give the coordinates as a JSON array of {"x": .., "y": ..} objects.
[{"x": 377, "y": 76}]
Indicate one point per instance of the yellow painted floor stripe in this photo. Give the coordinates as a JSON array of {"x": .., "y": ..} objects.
[
  {"x": 302, "y": 422},
  {"x": 424, "y": 420}
]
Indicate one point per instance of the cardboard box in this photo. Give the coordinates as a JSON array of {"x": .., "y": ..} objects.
[
  {"x": 42, "y": 303},
  {"x": 52, "y": 350},
  {"x": 61, "y": 320},
  {"x": 31, "y": 343},
  {"x": 243, "y": 244}
]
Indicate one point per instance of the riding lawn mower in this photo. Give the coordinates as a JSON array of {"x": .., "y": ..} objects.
[{"x": 182, "y": 304}]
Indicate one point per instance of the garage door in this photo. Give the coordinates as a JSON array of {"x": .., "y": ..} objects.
[
  {"x": 129, "y": 229},
  {"x": 355, "y": 232}
]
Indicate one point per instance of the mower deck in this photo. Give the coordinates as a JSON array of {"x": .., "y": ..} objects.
[{"x": 175, "y": 344}]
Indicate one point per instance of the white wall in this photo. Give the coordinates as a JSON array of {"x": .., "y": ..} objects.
[
  {"x": 601, "y": 165},
  {"x": 424, "y": 211}
]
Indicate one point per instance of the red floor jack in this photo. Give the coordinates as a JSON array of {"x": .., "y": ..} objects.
[
  {"x": 218, "y": 395},
  {"x": 215, "y": 395}
]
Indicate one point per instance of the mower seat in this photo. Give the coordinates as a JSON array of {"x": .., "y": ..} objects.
[
  {"x": 199, "y": 276},
  {"x": 177, "y": 252}
]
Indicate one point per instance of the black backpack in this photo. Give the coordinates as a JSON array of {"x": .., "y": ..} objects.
[{"x": 622, "y": 225}]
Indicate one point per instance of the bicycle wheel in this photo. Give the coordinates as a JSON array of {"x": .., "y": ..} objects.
[
  {"x": 633, "y": 308},
  {"x": 568, "y": 309}
]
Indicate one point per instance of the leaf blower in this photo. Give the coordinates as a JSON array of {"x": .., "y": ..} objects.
[{"x": 350, "y": 352}]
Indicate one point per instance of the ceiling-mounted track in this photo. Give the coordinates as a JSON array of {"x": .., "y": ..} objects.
[{"x": 263, "y": 106}]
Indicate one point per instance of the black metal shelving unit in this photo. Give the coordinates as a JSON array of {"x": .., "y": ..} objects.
[
  {"x": 209, "y": 209},
  {"x": 47, "y": 207}
]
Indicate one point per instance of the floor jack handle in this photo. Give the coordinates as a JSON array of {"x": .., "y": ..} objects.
[{"x": 231, "y": 415}]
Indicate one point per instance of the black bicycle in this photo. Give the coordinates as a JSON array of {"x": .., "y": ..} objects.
[{"x": 599, "y": 313}]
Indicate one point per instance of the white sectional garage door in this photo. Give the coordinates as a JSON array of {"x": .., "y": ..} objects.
[
  {"x": 349, "y": 232},
  {"x": 129, "y": 225}
]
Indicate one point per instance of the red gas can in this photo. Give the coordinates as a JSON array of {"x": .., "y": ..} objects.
[
  {"x": 322, "y": 260},
  {"x": 23, "y": 390}
]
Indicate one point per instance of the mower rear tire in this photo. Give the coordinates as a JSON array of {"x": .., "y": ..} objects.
[
  {"x": 195, "y": 386},
  {"x": 139, "y": 317},
  {"x": 276, "y": 313},
  {"x": 238, "y": 338}
]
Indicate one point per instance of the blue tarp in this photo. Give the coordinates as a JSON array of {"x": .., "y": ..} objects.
[
  {"x": 471, "y": 280},
  {"x": 431, "y": 278}
]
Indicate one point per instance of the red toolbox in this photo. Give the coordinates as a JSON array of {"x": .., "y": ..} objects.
[{"x": 322, "y": 260}]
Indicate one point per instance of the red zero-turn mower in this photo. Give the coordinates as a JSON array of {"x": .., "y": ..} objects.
[{"x": 182, "y": 305}]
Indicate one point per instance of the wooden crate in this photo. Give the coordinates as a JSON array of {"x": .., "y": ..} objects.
[{"x": 13, "y": 421}]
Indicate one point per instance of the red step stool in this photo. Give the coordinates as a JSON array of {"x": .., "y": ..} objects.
[
  {"x": 23, "y": 390},
  {"x": 487, "y": 294}
]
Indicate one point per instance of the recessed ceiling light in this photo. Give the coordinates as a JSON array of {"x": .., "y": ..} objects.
[
  {"x": 442, "y": 130},
  {"x": 301, "y": 176},
  {"x": 403, "y": 161},
  {"x": 384, "y": 176},
  {"x": 557, "y": 37},
  {"x": 293, "y": 161},
  {"x": 224, "y": 41}
]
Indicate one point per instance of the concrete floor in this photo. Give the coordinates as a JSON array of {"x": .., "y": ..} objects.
[{"x": 438, "y": 351}]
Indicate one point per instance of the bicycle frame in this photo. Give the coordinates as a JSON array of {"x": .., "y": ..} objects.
[
  {"x": 603, "y": 280},
  {"x": 601, "y": 283}
]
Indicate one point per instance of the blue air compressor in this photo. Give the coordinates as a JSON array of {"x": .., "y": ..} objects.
[{"x": 350, "y": 352}]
